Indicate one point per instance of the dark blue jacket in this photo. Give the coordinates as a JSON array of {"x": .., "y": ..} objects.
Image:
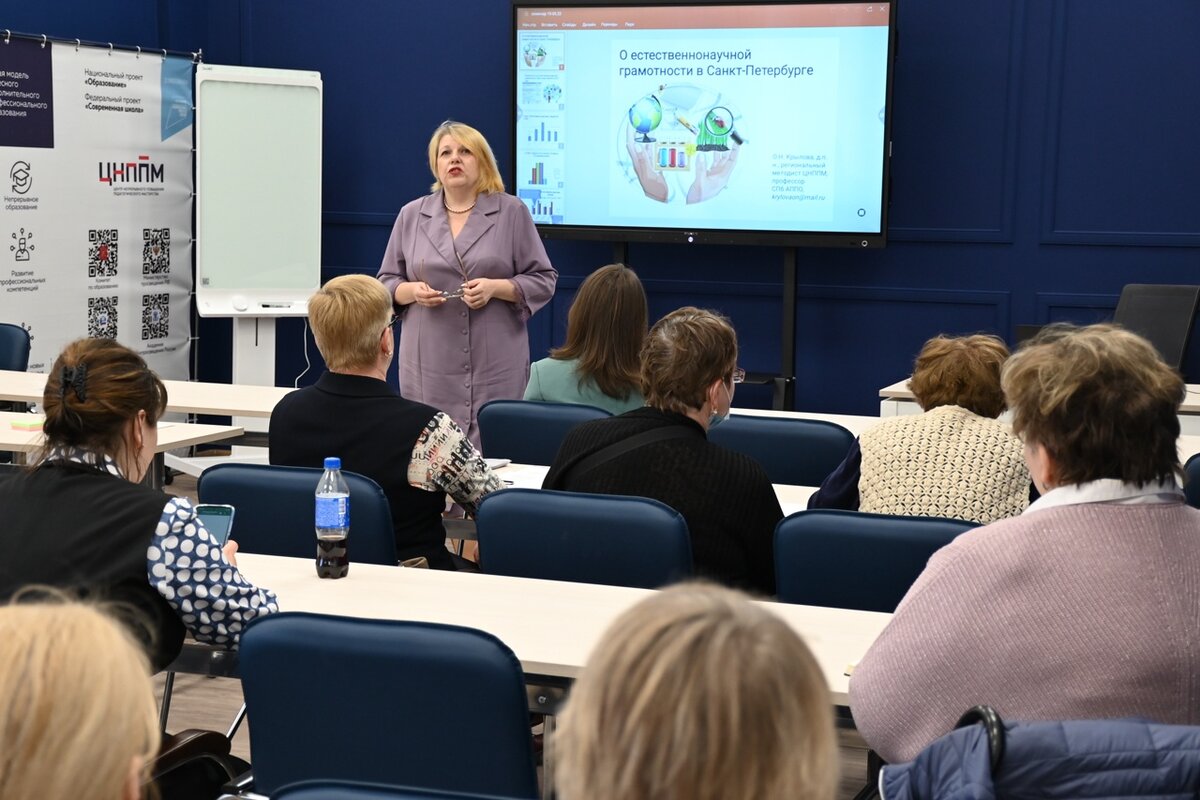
[{"x": 1107, "y": 759}]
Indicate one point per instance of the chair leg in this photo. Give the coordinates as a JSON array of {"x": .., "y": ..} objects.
[
  {"x": 237, "y": 722},
  {"x": 548, "y": 757},
  {"x": 165, "y": 709}
]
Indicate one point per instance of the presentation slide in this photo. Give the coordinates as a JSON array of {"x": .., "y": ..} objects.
[{"x": 766, "y": 117}]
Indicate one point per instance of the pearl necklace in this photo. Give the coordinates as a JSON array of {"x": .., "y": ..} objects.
[{"x": 455, "y": 210}]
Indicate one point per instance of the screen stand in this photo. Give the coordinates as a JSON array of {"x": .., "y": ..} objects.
[
  {"x": 621, "y": 253},
  {"x": 784, "y": 397},
  {"x": 253, "y": 364}
]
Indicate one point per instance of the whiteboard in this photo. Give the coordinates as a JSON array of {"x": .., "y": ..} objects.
[{"x": 258, "y": 190}]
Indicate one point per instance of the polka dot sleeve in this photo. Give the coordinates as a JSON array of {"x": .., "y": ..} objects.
[{"x": 185, "y": 564}]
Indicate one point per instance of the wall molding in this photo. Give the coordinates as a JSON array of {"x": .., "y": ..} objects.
[
  {"x": 1051, "y": 232},
  {"x": 1003, "y": 231}
]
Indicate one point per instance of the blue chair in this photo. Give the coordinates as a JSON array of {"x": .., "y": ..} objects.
[
  {"x": 338, "y": 790},
  {"x": 14, "y": 347},
  {"x": 586, "y": 538},
  {"x": 14, "y": 355},
  {"x": 528, "y": 432},
  {"x": 275, "y": 510},
  {"x": 800, "y": 452},
  {"x": 1191, "y": 483},
  {"x": 851, "y": 559},
  {"x": 385, "y": 702}
]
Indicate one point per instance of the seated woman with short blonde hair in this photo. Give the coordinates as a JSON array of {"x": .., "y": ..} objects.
[
  {"x": 697, "y": 693},
  {"x": 955, "y": 460},
  {"x": 415, "y": 452}
]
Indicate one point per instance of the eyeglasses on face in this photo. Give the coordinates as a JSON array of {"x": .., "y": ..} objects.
[
  {"x": 739, "y": 375},
  {"x": 391, "y": 322}
]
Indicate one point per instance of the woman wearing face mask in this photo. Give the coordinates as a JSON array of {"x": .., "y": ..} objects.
[{"x": 661, "y": 451}]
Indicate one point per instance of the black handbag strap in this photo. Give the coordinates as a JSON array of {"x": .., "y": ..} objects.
[{"x": 616, "y": 449}]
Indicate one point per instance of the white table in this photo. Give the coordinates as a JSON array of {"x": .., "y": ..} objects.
[
  {"x": 552, "y": 626},
  {"x": 897, "y": 398},
  {"x": 191, "y": 397},
  {"x": 170, "y": 434},
  {"x": 854, "y": 423},
  {"x": 530, "y": 476}
]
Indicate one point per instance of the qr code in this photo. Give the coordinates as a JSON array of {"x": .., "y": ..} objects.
[
  {"x": 102, "y": 253},
  {"x": 102, "y": 317},
  {"x": 156, "y": 251},
  {"x": 156, "y": 316}
]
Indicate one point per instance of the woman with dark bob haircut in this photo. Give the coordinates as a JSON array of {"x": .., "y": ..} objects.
[
  {"x": 599, "y": 364},
  {"x": 1086, "y": 605},
  {"x": 81, "y": 518},
  {"x": 955, "y": 460}
]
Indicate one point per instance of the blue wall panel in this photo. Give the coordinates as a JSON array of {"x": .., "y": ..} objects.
[
  {"x": 954, "y": 122},
  {"x": 1045, "y": 152},
  {"x": 1121, "y": 144},
  {"x": 882, "y": 324}
]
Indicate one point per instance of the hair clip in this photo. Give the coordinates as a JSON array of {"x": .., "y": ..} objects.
[{"x": 76, "y": 378}]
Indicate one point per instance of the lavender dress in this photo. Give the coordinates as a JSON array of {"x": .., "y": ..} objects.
[{"x": 452, "y": 357}]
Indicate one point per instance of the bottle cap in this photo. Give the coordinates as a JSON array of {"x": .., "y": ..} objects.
[{"x": 333, "y": 462}]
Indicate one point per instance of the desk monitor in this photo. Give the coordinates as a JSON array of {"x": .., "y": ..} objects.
[
  {"x": 258, "y": 191},
  {"x": 1164, "y": 314}
]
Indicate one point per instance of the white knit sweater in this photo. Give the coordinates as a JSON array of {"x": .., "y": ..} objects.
[{"x": 947, "y": 462}]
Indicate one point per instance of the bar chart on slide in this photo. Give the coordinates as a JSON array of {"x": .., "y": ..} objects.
[{"x": 542, "y": 133}]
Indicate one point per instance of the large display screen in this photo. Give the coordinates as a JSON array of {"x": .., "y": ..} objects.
[{"x": 764, "y": 123}]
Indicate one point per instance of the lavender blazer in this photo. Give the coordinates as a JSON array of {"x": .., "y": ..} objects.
[{"x": 451, "y": 357}]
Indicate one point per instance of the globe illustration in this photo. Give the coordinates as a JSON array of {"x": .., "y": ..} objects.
[{"x": 645, "y": 115}]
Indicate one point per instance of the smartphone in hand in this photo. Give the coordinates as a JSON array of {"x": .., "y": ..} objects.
[{"x": 217, "y": 518}]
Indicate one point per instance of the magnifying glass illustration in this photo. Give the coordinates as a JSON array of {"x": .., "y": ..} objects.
[{"x": 719, "y": 122}]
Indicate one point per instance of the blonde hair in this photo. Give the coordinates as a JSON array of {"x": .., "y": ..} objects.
[
  {"x": 348, "y": 316},
  {"x": 76, "y": 702},
  {"x": 694, "y": 694},
  {"x": 1101, "y": 401},
  {"x": 961, "y": 371},
  {"x": 683, "y": 354},
  {"x": 489, "y": 174}
]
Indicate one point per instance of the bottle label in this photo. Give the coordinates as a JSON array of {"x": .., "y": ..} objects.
[{"x": 333, "y": 512}]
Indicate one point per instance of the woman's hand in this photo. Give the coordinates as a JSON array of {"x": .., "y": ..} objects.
[
  {"x": 479, "y": 291},
  {"x": 230, "y": 550},
  {"x": 425, "y": 296}
]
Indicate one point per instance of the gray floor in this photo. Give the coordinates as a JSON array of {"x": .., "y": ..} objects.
[{"x": 212, "y": 703}]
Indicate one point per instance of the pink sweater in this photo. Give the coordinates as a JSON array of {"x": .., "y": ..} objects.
[{"x": 1084, "y": 611}]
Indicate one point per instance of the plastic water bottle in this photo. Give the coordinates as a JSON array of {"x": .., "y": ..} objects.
[{"x": 332, "y": 521}]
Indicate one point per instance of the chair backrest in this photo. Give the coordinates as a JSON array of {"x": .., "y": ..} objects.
[
  {"x": 385, "y": 702},
  {"x": 586, "y": 538},
  {"x": 800, "y": 452},
  {"x": 348, "y": 790},
  {"x": 530, "y": 432},
  {"x": 274, "y": 510},
  {"x": 1191, "y": 483},
  {"x": 14, "y": 347},
  {"x": 1162, "y": 313},
  {"x": 851, "y": 559}
]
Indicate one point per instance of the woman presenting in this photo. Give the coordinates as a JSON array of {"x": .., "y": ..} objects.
[{"x": 466, "y": 269}]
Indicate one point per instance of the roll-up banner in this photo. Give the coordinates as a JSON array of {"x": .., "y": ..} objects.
[{"x": 96, "y": 183}]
